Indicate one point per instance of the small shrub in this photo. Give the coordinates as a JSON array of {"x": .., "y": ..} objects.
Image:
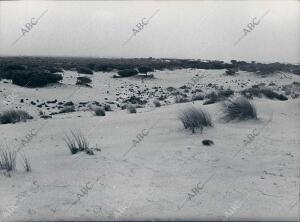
[
  {"x": 239, "y": 108},
  {"x": 8, "y": 160},
  {"x": 76, "y": 142},
  {"x": 14, "y": 116},
  {"x": 193, "y": 118},
  {"x": 131, "y": 108},
  {"x": 156, "y": 103},
  {"x": 99, "y": 112}
]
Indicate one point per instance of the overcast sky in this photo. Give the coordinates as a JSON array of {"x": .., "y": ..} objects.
[{"x": 179, "y": 29}]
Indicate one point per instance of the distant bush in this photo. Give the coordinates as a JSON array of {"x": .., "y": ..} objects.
[
  {"x": 127, "y": 72},
  {"x": 83, "y": 80},
  {"x": 263, "y": 91},
  {"x": 193, "y": 119},
  {"x": 54, "y": 69},
  {"x": 99, "y": 111},
  {"x": 14, "y": 116},
  {"x": 131, "y": 108},
  {"x": 84, "y": 70},
  {"x": 239, "y": 108}
]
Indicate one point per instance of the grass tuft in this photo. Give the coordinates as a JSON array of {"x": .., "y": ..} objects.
[
  {"x": 193, "y": 119},
  {"x": 239, "y": 108}
]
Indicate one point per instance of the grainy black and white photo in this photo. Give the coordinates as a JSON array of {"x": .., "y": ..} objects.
[{"x": 149, "y": 110}]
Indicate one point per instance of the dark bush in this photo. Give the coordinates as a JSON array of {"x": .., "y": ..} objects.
[
  {"x": 35, "y": 78},
  {"x": 127, "y": 72}
]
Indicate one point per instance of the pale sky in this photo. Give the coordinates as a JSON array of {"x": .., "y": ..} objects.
[{"x": 180, "y": 29}]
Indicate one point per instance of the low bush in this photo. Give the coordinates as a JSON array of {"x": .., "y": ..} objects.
[
  {"x": 193, "y": 118},
  {"x": 14, "y": 116}
]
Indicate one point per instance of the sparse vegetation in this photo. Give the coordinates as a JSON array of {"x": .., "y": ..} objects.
[
  {"x": 14, "y": 116},
  {"x": 193, "y": 118},
  {"x": 239, "y": 108}
]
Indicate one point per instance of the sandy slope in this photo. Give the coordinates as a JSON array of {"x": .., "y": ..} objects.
[{"x": 259, "y": 180}]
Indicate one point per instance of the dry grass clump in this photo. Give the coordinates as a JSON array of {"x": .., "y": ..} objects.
[
  {"x": 193, "y": 118},
  {"x": 77, "y": 142},
  {"x": 14, "y": 116},
  {"x": 239, "y": 108},
  {"x": 8, "y": 160},
  {"x": 27, "y": 164}
]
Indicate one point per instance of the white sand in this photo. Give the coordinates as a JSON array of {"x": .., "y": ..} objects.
[{"x": 153, "y": 180}]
